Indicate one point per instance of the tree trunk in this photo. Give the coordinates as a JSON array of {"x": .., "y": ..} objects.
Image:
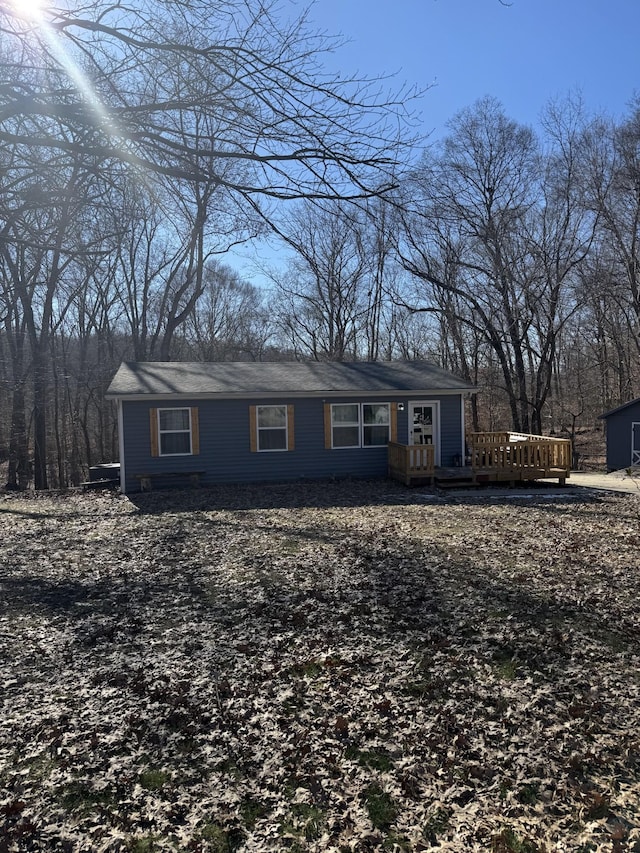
[
  {"x": 18, "y": 473},
  {"x": 40, "y": 419}
]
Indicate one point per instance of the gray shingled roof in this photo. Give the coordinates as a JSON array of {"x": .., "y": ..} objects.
[{"x": 226, "y": 379}]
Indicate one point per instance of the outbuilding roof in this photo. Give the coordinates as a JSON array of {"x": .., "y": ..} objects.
[
  {"x": 620, "y": 408},
  {"x": 298, "y": 378}
]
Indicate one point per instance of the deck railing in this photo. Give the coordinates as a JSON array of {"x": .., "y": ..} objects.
[
  {"x": 411, "y": 462},
  {"x": 502, "y": 437},
  {"x": 495, "y": 457},
  {"x": 519, "y": 456}
]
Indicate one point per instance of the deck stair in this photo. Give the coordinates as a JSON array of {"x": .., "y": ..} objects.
[{"x": 453, "y": 478}]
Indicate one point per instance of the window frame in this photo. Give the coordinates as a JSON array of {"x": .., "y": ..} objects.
[
  {"x": 162, "y": 432},
  {"x": 284, "y": 428},
  {"x": 371, "y": 426},
  {"x": 360, "y": 425}
]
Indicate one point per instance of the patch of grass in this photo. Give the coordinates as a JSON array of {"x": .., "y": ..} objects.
[
  {"x": 230, "y": 768},
  {"x": 505, "y": 666},
  {"x": 146, "y": 844},
  {"x": 375, "y": 759},
  {"x": 380, "y": 807},
  {"x": 288, "y": 545},
  {"x": 306, "y": 821},
  {"x": 308, "y": 669},
  {"x": 509, "y": 842},
  {"x": 153, "y": 780},
  {"x": 314, "y": 820},
  {"x": 503, "y": 790},
  {"x": 436, "y": 825},
  {"x": 426, "y": 688},
  {"x": 40, "y": 767},
  {"x": 252, "y": 811},
  {"x": 393, "y": 841},
  {"x": 528, "y": 794},
  {"x": 77, "y": 796},
  {"x": 221, "y": 840}
]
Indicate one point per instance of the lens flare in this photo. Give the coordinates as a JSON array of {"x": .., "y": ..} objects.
[{"x": 31, "y": 9}]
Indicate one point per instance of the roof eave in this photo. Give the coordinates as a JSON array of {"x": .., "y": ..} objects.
[
  {"x": 619, "y": 408},
  {"x": 252, "y": 395}
]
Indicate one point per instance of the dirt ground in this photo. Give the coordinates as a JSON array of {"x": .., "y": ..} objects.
[{"x": 341, "y": 667}]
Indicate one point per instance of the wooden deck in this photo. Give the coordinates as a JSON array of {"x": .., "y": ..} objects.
[
  {"x": 411, "y": 464},
  {"x": 516, "y": 456},
  {"x": 495, "y": 457}
]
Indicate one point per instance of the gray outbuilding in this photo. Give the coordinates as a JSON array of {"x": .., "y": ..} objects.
[
  {"x": 623, "y": 435},
  {"x": 264, "y": 421}
]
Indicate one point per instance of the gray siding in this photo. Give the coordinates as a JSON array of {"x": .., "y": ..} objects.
[
  {"x": 619, "y": 426},
  {"x": 225, "y": 455}
]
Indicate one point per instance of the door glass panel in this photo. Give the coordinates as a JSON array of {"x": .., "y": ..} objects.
[{"x": 422, "y": 427}]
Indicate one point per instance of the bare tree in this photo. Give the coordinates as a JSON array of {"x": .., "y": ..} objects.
[
  {"x": 160, "y": 261},
  {"x": 500, "y": 235},
  {"x": 613, "y": 188},
  {"x": 34, "y": 248},
  {"x": 15, "y": 365},
  {"x": 137, "y": 84},
  {"x": 321, "y": 303},
  {"x": 210, "y": 113},
  {"x": 560, "y": 235},
  {"x": 230, "y": 320}
]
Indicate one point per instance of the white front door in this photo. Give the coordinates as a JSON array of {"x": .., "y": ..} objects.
[
  {"x": 424, "y": 425},
  {"x": 635, "y": 443}
]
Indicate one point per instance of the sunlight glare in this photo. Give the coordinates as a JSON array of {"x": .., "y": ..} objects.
[
  {"x": 37, "y": 12},
  {"x": 32, "y": 9}
]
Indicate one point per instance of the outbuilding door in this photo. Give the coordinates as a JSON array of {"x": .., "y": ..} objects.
[
  {"x": 424, "y": 425},
  {"x": 635, "y": 443}
]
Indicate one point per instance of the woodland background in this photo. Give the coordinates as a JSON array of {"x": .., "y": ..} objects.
[{"x": 139, "y": 147}]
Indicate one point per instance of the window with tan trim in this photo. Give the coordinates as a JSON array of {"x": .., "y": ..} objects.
[
  {"x": 358, "y": 424},
  {"x": 345, "y": 425},
  {"x": 174, "y": 431},
  {"x": 271, "y": 428}
]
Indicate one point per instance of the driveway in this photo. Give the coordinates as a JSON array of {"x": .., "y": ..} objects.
[{"x": 616, "y": 481}]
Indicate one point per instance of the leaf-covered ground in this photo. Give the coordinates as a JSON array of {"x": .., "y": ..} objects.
[{"x": 332, "y": 667}]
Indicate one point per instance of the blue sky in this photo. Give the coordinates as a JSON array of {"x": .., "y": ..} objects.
[{"x": 523, "y": 54}]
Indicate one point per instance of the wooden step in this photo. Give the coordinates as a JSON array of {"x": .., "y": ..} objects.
[{"x": 460, "y": 482}]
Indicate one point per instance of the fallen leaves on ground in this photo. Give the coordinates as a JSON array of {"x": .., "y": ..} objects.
[{"x": 322, "y": 667}]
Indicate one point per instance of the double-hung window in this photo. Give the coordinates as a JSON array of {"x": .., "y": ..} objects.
[
  {"x": 345, "y": 425},
  {"x": 271, "y": 424},
  {"x": 360, "y": 424},
  {"x": 174, "y": 432},
  {"x": 375, "y": 424},
  {"x": 271, "y": 428}
]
